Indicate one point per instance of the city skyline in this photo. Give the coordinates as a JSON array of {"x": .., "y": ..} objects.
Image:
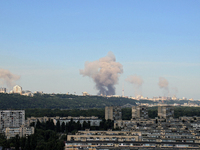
[{"x": 45, "y": 45}]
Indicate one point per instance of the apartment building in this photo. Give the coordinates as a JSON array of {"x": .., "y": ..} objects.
[
  {"x": 129, "y": 145},
  {"x": 109, "y": 135},
  {"x": 94, "y": 121},
  {"x": 2, "y": 90},
  {"x": 113, "y": 113},
  {"x": 11, "y": 118},
  {"x": 23, "y": 131},
  {"x": 165, "y": 112},
  {"x": 17, "y": 89},
  {"x": 140, "y": 112}
]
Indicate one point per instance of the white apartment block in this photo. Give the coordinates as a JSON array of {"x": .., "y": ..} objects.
[{"x": 17, "y": 89}]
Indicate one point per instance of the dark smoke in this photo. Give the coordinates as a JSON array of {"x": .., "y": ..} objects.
[
  {"x": 104, "y": 72},
  {"x": 6, "y": 77}
]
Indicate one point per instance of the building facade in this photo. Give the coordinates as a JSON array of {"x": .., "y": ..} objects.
[
  {"x": 165, "y": 112},
  {"x": 17, "y": 89},
  {"x": 139, "y": 112},
  {"x": 11, "y": 118},
  {"x": 94, "y": 121},
  {"x": 23, "y": 131},
  {"x": 113, "y": 113},
  {"x": 2, "y": 90},
  {"x": 109, "y": 135}
]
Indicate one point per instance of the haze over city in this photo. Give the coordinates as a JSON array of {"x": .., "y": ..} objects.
[{"x": 148, "y": 48}]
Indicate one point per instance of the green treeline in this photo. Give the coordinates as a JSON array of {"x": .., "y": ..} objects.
[
  {"x": 72, "y": 127},
  {"x": 64, "y": 101},
  {"x": 41, "y": 140},
  {"x": 60, "y": 101},
  {"x": 186, "y": 111},
  {"x": 64, "y": 113},
  {"x": 126, "y": 112}
]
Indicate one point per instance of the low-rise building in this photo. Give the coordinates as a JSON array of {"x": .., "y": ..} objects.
[
  {"x": 23, "y": 131},
  {"x": 109, "y": 135},
  {"x": 94, "y": 121}
]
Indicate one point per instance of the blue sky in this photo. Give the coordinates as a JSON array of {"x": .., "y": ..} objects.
[{"x": 47, "y": 42}]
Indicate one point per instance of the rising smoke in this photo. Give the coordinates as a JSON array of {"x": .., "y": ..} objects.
[
  {"x": 6, "y": 77},
  {"x": 105, "y": 73},
  {"x": 163, "y": 84},
  {"x": 137, "y": 82},
  {"x": 173, "y": 91}
]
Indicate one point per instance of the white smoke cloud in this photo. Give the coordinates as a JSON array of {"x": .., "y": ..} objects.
[
  {"x": 105, "y": 73},
  {"x": 163, "y": 84},
  {"x": 137, "y": 81},
  {"x": 6, "y": 77},
  {"x": 173, "y": 91}
]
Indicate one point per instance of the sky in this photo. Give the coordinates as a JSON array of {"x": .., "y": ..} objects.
[{"x": 47, "y": 43}]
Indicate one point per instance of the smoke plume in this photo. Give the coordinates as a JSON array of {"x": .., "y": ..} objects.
[
  {"x": 137, "y": 82},
  {"x": 173, "y": 91},
  {"x": 104, "y": 72},
  {"x": 6, "y": 77},
  {"x": 163, "y": 84}
]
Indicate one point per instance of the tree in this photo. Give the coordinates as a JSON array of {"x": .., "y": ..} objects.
[
  {"x": 63, "y": 127},
  {"x": 17, "y": 142},
  {"x": 38, "y": 124},
  {"x": 22, "y": 143},
  {"x": 58, "y": 126}
]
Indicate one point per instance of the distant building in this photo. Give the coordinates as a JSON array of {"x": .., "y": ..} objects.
[
  {"x": 139, "y": 112},
  {"x": 85, "y": 93},
  {"x": 165, "y": 112},
  {"x": 2, "y": 90},
  {"x": 101, "y": 136},
  {"x": 11, "y": 118},
  {"x": 113, "y": 113},
  {"x": 94, "y": 121},
  {"x": 174, "y": 98},
  {"x": 27, "y": 93},
  {"x": 138, "y": 97},
  {"x": 17, "y": 89},
  {"x": 38, "y": 92},
  {"x": 22, "y": 131}
]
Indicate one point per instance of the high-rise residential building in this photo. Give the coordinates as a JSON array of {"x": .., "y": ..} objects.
[
  {"x": 17, "y": 89},
  {"x": 113, "y": 113},
  {"x": 139, "y": 112},
  {"x": 2, "y": 90},
  {"x": 165, "y": 112},
  {"x": 11, "y": 118}
]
